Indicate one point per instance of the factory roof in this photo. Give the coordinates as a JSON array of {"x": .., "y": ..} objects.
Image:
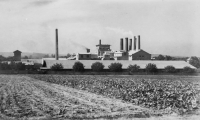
[
  {"x": 17, "y": 51},
  {"x": 67, "y": 64},
  {"x": 103, "y": 45},
  {"x": 84, "y": 53},
  {"x": 32, "y": 60},
  {"x": 135, "y": 51}
]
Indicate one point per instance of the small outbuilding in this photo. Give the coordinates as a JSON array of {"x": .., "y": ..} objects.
[{"x": 17, "y": 55}]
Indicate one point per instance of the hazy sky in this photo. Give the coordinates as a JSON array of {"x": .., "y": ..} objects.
[{"x": 170, "y": 27}]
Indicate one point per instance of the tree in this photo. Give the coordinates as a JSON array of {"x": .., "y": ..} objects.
[
  {"x": 151, "y": 68},
  {"x": 53, "y": 55},
  {"x": 4, "y": 66},
  {"x": 170, "y": 69},
  {"x": 78, "y": 67},
  {"x": 2, "y": 58},
  {"x": 168, "y": 57},
  {"x": 68, "y": 55},
  {"x": 46, "y": 56},
  {"x": 160, "y": 57},
  {"x": 194, "y": 61},
  {"x": 188, "y": 70},
  {"x": 57, "y": 66},
  {"x": 115, "y": 67},
  {"x": 133, "y": 68},
  {"x": 25, "y": 57},
  {"x": 37, "y": 66},
  {"x": 97, "y": 67}
]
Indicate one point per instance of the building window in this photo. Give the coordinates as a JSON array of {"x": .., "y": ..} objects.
[
  {"x": 81, "y": 56},
  {"x": 87, "y": 56}
]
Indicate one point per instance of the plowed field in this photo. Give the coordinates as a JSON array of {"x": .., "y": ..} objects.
[{"x": 22, "y": 97}]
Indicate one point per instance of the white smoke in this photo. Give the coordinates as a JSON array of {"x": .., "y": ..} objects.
[{"x": 121, "y": 31}]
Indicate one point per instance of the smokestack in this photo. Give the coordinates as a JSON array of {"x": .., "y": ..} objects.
[
  {"x": 88, "y": 50},
  {"x": 56, "y": 55},
  {"x": 121, "y": 44},
  {"x": 135, "y": 43},
  {"x": 138, "y": 42},
  {"x": 130, "y": 44},
  {"x": 99, "y": 42},
  {"x": 126, "y": 44}
]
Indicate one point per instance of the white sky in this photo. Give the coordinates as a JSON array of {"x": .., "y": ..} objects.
[{"x": 168, "y": 27}]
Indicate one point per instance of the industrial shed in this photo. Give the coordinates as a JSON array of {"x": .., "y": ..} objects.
[
  {"x": 139, "y": 55},
  {"x": 67, "y": 64}
]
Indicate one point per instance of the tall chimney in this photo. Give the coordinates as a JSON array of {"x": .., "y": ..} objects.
[
  {"x": 130, "y": 44},
  {"x": 126, "y": 44},
  {"x": 138, "y": 42},
  {"x": 135, "y": 43},
  {"x": 121, "y": 44},
  {"x": 56, "y": 55},
  {"x": 99, "y": 42}
]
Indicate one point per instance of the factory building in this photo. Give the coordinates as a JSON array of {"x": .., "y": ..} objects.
[
  {"x": 139, "y": 55},
  {"x": 102, "y": 48},
  {"x": 83, "y": 56},
  {"x": 131, "y": 50}
]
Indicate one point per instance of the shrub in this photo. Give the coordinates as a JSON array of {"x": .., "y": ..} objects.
[
  {"x": 97, "y": 67},
  {"x": 151, "y": 68},
  {"x": 4, "y": 66},
  {"x": 133, "y": 68},
  {"x": 188, "y": 70},
  {"x": 57, "y": 66},
  {"x": 115, "y": 67},
  {"x": 78, "y": 67},
  {"x": 17, "y": 66},
  {"x": 170, "y": 69},
  {"x": 37, "y": 66},
  {"x": 20, "y": 66},
  {"x": 194, "y": 61}
]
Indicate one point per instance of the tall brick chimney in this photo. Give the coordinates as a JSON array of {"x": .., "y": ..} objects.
[
  {"x": 56, "y": 54},
  {"x": 138, "y": 42},
  {"x": 121, "y": 44},
  {"x": 126, "y": 48},
  {"x": 135, "y": 42}
]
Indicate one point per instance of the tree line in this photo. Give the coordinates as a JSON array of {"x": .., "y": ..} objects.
[{"x": 117, "y": 67}]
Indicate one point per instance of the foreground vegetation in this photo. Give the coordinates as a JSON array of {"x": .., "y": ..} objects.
[
  {"x": 23, "y": 98},
  {"x": 172, "y": 94}
]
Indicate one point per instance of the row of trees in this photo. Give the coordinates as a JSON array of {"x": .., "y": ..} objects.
[
  {"x": 19, "y": 66},
  {"x": 117, "y": 67}
]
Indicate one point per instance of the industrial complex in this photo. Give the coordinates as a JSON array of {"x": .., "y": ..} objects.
[{"x": 130, "y": 53}]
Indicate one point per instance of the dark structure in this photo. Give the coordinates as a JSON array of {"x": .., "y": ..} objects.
[
  {"x": 121, "y": 44},
  {"x": 138, "y": 42},
  {"x": 130, "y": 44},
  {"x": 135, "y": 43},
  {"x": 140, "y": 55},
  {"x": 87, "y": 50},
  {"x": 17, "y": 55},
  {"x": 56, "y": 54},
  {"x": 126, "y": 44}
]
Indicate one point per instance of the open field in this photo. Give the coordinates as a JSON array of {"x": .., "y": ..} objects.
[
  {"x": 161, "y": 94},
  {"x": 24, "y": 97},
  {"x": 100, "y": 97}
]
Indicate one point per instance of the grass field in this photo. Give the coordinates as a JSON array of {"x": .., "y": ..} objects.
[{"x": 102, "y": 97}]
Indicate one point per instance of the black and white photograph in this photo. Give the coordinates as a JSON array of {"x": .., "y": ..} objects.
[{"x": 99, "y": 60}]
